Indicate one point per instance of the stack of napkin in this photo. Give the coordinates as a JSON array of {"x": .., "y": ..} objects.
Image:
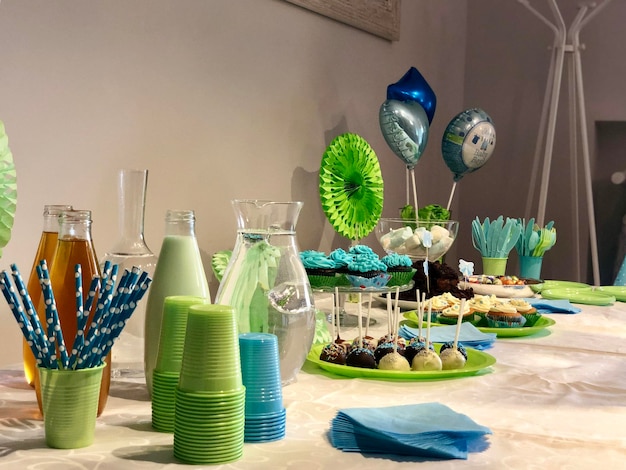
[
  {"x": 553, "y": 306},
  {"x": 427, "y": 430},
  {"x": 469, "y": 336}
]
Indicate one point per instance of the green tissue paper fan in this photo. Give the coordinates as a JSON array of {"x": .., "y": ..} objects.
[
  {"x": 8, "y": 189},
  {"x": 351, "y": 186}
]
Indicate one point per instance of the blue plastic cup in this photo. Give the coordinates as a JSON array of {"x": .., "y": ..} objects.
[{"x": 260, "y": 373}]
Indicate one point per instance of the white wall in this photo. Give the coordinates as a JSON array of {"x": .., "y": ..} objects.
[
  {"x": 506, "y": 73},
  {"x": 219, "y": 99}
]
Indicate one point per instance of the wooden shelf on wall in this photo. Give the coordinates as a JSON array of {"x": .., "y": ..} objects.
[{"x": 378, "y": 17}]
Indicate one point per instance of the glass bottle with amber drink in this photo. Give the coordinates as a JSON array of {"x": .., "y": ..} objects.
[
  {"x": 46, "y": 250},
  {"x": 75, "y": 246}
]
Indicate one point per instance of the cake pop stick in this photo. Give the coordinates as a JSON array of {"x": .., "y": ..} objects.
[
  {"x": 389, "y": 316},
  {"x": 332, "y": 319},
  {"x": 420, "y": 313},
  {"x": 396, "y": 315},
  {"x": 458, "y": 324},
  {"x": 360, "y": 316},
  {"x": 336, "y": 312},
  {"x": 369, "y": 311},
  {"x": 421, "y": 317}
]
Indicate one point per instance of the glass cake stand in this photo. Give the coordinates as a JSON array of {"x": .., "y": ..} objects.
[{"x": 343, "y": 294}]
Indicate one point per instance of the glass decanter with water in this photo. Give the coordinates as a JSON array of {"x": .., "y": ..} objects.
[
  {"x": 266, "y": 283},
  {"x": 131, "y": 250}
]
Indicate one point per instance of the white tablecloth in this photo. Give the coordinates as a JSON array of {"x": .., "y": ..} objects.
[{"x": 553, "y": 401}]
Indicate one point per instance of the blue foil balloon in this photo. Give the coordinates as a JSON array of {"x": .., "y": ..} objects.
[
  {"x": 414, "y": 87},
  {"x": 404, "y": 125},
  {"x": 468, "y": 142}
]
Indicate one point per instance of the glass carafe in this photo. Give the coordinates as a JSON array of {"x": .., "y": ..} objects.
[
  {"x": 130, "y": 250},
  {"x": 45, "y": 250},
  {"x": 179, "y": 271},
  {"x": 265, "y": 281}
]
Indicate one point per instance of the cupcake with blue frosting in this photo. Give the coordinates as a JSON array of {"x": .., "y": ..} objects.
[
  {"x": 400, "y": 267},
  {"x": 320, "y": 269},
  {"x": 365, "y": 269}
]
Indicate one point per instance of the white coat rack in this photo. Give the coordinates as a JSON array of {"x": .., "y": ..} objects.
[{"x": 566, "y": 43}]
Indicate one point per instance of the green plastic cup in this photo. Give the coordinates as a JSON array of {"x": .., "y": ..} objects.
[
  {"x": 70, "y": 405},
  {"x": 173, "y": 330},
  {"x": 163, "y": 397},
  {"x": 211, "y": 360},
  {"x": 494, "y": 266},
  {"x": 530, "y": 267}
]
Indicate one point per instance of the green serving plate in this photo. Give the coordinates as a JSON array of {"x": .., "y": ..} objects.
[
  {"x": 477, "y": 362},
  {"x": 554, "y": 284},
  {"x": 619, "y": 292},
  {"x": 541, "y": 324},
  {"x": 578, "y": 296}
]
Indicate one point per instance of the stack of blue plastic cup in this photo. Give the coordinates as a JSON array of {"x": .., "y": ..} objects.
[{"x": 265, "y": 415}]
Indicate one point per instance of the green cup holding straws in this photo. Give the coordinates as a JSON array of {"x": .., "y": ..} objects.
[{"x": 70, "y": 405}]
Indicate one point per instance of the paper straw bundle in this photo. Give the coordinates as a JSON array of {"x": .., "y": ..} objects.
[{"x": 112, "y": 306}]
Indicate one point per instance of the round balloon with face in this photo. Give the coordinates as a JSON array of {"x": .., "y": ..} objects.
[
  {"x": 404, "y": 125},
  {"x": 468, "y": 142},
  {"x": 414, "y": 87}
]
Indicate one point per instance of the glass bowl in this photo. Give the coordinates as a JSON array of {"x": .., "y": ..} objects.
[{"x": 406, "y": 238}]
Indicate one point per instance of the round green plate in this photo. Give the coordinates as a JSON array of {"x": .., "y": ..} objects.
[
  {"x": 553, "y": 284},
  {"x": 351, "y": 186},
  {"x": 477, "y": 361},
  {"x": 543, "y": 323},
  {"x": 578, "y": 296},
  {"x": 8, "y": 189},
  {"x": 619, "y": 292}
]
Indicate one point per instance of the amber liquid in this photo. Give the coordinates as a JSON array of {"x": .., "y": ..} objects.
[
  {"x": 70, "y": 252},
  {"x": 46, "y": 249}
]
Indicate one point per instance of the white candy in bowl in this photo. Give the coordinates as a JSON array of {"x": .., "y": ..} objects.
[{"x": 407, "y": 238}]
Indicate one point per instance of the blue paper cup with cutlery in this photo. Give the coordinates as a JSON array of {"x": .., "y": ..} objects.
[{"x": 530, "y": 267}]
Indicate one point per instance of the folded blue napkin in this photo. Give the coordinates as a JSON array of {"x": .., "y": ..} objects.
[
  {"x": 469, "y": 336},
  {"x": 427, "y": 430},
  {"x": 553, "y": 306}
]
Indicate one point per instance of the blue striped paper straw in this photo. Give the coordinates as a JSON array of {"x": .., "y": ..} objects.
[
  {"x": 110, "y": 321},
  {"x": 79, "y": 341},
  {"x": 104, "y": 299},
  {"x": 20, "y": 317},
  {"x": 31, "y": 312},
  {"x": 138, "y": 292},
  {"x": 54, "y": 325}
]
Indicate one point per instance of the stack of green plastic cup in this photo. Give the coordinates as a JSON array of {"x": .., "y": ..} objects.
[
  {"x": 210, "y": 397},
  {"x": 169, "y": 359}
]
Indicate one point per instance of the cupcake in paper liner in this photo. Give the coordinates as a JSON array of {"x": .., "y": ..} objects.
[
  {"x": 365, "y": 269},
  {"x": 320, "y": 269},
  {"x": 400, "y": 267},
  {"x": 450, "y": 315},
  {"x": 481, "y": 304},
  {"x": 528, "y": 311},
  {"x": 504, "y": 315},
  {"x": 341, "y": 259},
  {"x": 437, "y": 303}
]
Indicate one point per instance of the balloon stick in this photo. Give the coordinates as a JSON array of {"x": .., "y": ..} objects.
[
  {"x": 408, "y": 198},
  {"x": 451, "y": 196},
  {"x": 412, "y": 171}
]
